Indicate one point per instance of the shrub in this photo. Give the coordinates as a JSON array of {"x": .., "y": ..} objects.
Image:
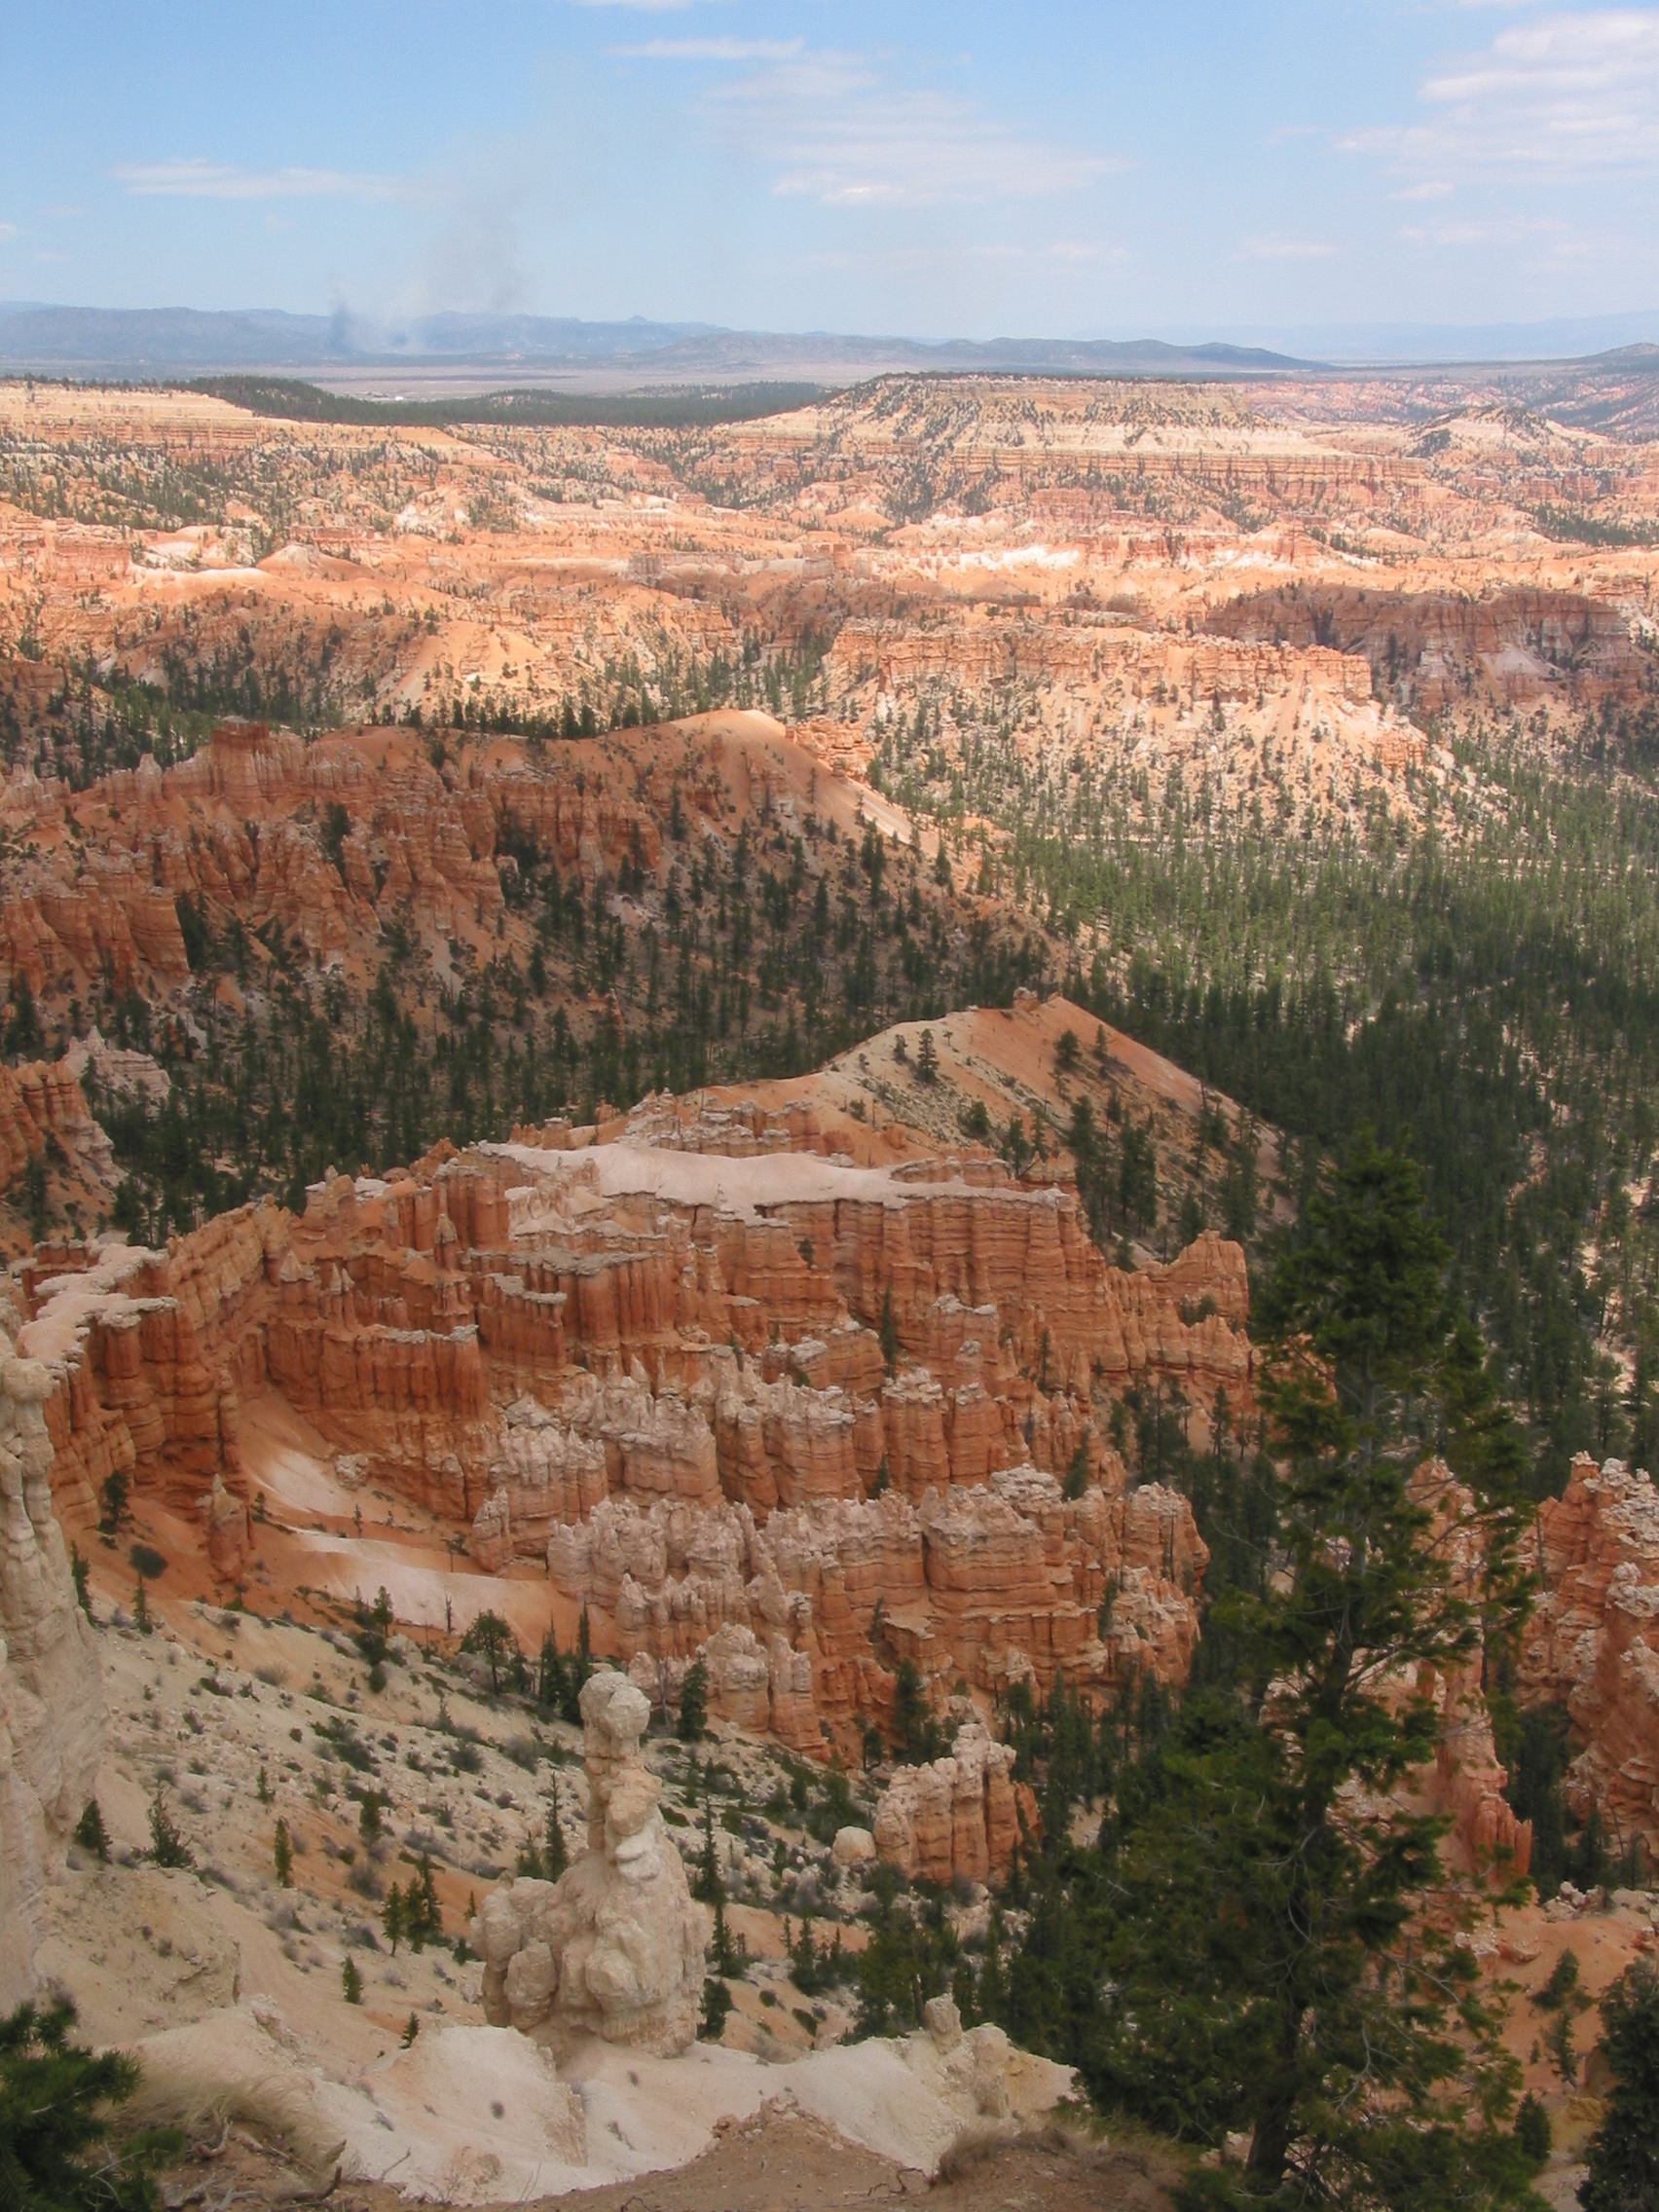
[
  {"x": 167, "y": 1847},
  {"x": 716, "y": 2003},
  {"x": 1532, "y": 2131}
]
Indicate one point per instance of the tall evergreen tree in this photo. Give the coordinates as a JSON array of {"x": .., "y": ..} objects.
[
  {"x": 1623, "y": 2156},
  {"x": 1271, "y": 1965}
]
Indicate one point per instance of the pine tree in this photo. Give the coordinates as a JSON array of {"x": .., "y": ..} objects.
[
  {"x": 991, "y": 1994},
  {"x": 57, "y": 2101},
  {"x": 423, "y": 1915},
  {"x": 1623, "y": 2155},
  {"x": 283, "y": 1857},
  {"x": 370, "y": 1826},
  {"x": 394, "y": 1917},
  {"x": 114, "y": 1503},
  {"x": 707, "y": 1888},
  {"x": 693, "y": 1702},
  {"x": 1270, "y": 1946},
  {"x": 889, "y": 1331},
  {"x": 717, "y": 2005},
  {"x": 492, "y": 1639},
  {"x": 915, "y": 1734},
  {"x": 92, "y": 1834},
  {"x": 550, "y": 1673},
  {"x": 351, "y": 1980},
  {"x": 167, "y": 1847},
  {"x": 1076, "y": 1473},
  {"x": 555, "y": 1857},
  {"x": 581, "y": 1669}
]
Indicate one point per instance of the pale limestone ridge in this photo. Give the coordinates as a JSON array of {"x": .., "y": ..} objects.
[{"x": 51, "y": 1703}]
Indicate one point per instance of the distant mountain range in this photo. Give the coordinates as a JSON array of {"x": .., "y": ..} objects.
[
  {"x": 145, "y": 342},
  {"x": 453, "y": 352}
]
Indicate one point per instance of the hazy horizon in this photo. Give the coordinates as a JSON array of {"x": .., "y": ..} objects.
[{"x": 756, "y": 166}]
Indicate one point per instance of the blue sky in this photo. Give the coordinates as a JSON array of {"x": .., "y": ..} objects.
[{"x": 936, "y": 170}]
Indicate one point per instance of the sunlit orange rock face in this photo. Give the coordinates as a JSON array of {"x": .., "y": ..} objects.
[
  {"x": 235, "y": 829},
  {"x": 653, "y": 1373}
]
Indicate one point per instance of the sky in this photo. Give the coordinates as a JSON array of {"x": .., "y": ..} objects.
[{"x": 1026, "y": 169}]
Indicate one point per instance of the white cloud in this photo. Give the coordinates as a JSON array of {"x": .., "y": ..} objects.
[
  {"x": 1568, "y": 94},
  {"x": 7, "y": 230},
  {"x": 1277, "y": 249},
  {"x": 835, "y": 131},
  {"x": 1540, "y": 233},
  {"x": 182, "y": 177},
  {"x": 712, "y": 50}
]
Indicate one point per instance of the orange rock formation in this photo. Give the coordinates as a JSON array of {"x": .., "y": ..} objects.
[
  {"x": 654, "y": 1371},
  {"x": 960, "y": 1817},
  {"x": 1592, "y": 1640}
]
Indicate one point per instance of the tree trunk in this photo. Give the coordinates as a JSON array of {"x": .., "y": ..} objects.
[{"x": 1276, "y": 2114}]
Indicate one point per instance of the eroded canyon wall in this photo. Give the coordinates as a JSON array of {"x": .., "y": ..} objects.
[{"x": 657, "y": 1373}]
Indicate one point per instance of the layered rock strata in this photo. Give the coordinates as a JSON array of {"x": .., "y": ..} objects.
[
  {"x": 614, "y": 1947},
  {"x": 1592, "y": 1640},
  {"x": 51, "y": 1703},
  {"x": 41, "y": 1104}
]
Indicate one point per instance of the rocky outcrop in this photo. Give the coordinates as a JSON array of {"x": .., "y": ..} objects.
[
  {"x": 41, "y": 1104},
  {"x": 963, "y": 1816},
  {"x": 660, "y": 1371},
  {"x": 148, "y": 1353},
  {"x": 614, "y": 1947},
  {"x": 1468, "y": 1778},
  {"x": 51, "y": 1704},
  {"x": 1592, "y": 1640}
]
